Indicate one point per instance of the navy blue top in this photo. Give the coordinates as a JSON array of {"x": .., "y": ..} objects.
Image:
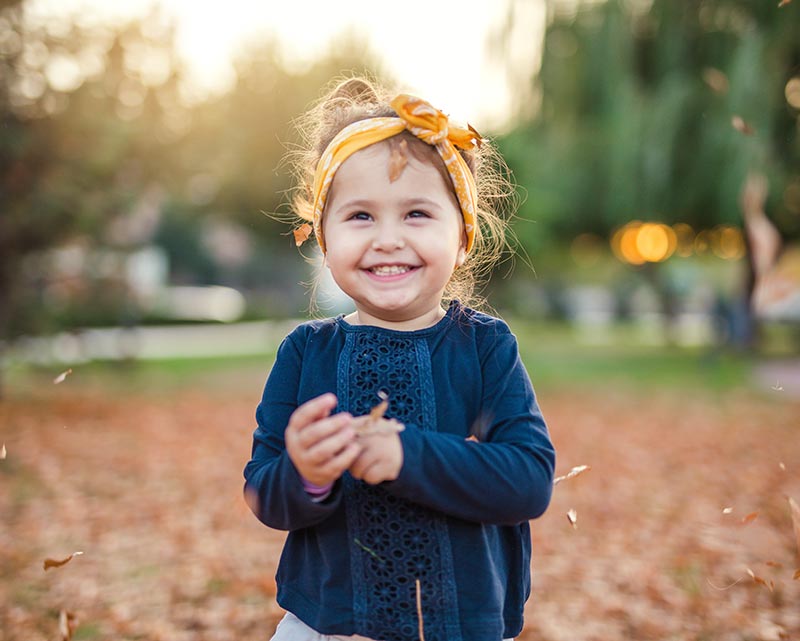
[{"x": 456, "y": 518}]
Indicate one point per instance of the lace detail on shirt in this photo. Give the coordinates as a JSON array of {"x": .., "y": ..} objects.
[{"x": 393, "y": 541}]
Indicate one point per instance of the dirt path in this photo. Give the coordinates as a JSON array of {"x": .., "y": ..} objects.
[{"x": 149, "y": 489}]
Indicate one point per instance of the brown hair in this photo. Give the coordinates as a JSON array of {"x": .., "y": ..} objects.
[{"x": 356, "y": 98}]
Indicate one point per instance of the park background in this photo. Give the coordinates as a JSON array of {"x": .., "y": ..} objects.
[{"x": 145, "y": 282}]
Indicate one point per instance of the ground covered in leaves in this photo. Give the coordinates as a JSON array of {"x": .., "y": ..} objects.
[{"x": 682, "y": 526}]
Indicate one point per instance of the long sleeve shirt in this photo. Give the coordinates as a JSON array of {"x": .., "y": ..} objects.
[{"x": 456, "y": 518}]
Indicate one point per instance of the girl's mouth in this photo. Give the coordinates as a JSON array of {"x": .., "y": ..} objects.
[{"x": 390, "y": 270}]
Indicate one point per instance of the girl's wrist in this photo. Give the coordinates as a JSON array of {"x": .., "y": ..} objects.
[{"x": 316, "y": 492}]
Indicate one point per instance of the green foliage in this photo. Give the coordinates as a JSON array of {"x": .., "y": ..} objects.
[{"x": 636, "y": 116}]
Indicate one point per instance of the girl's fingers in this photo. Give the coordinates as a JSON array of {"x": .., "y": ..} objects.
[
  {"x": 323, "y": 429},
  {"x": 332, "y": 443},
  {"x": 311, "y": 411}
]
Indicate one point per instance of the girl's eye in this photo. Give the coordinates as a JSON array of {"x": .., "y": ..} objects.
[
  {"x": 360, "y": 215},
  {"x": 418, "y": 214}
]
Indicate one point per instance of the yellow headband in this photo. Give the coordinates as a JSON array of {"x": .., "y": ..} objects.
[{"x": 429, "y": 125}]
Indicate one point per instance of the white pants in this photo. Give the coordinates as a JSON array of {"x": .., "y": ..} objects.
[{"x": 293, "y": 629}]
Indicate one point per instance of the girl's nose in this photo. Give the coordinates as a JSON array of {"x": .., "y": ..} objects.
[{"x": 388, "y": 240}]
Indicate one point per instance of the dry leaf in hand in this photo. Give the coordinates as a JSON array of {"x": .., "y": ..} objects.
[
  {"x": 55, "y": 563},
  {"x": 749, "y": 518},
  {"x": 398, "y": 159},
  {"x": 302, "y": 233},
  {"x": 67, "y": 622},
  {"x": 375, "y": 422},
  {"x": 795, "y": 522},
  {"x": 741, "y": 126},
  {"x": 572, "y": 517},
  {"x": 770, "y": 585},
  {"x": 580, "y": 469},
  {"x": 60, "y": 378}
]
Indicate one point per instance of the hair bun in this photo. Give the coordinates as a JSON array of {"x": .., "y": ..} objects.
[{"x": 355, "y": 90}]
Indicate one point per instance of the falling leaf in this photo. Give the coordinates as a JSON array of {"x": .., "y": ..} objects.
[
  {"x": 60, "y": 378},
  {"x": 54, "y": 563},
  {"x": 795, "y": 521},
  {"x": 419, "y": 611},
  {"x": 302, "y": 233},
  {"x": 572, "y": 517},
  {"x": 783, "y": 3},
  {"x": 398, "y": 159},
  {"x": 715, "y": 79},
  {"x": 741, "y": 126},
  {"x": 67, "y": 622},
  {"x": 727, "y": 510},
  {"x": 773, "y": 564},
  {"x": 777, "y": 387},
  {"x": 770, "y": 585},
  {"x": 580, "y": 469},
  {"x": 374, "y": 422},
  {"x": 3, "y": 452},
  {"x": 749, "y": 518}
]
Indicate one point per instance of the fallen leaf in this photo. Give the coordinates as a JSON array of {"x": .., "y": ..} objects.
[
  {"x": 302, "y": 233},
  {"x": 741, "y": 126},
  {"x": 60, "y": 378},
  {"x": 375, "y": 422},
  {"x": 773, "y": 564},
  {"x": 398, "y": 159},
  {"x": 572, "y": 517},
  {"x": 795, "y": 522},
  {"x": 3, "y": 452},
  {"x": 67, "y": 622},
  {"x": 770, "y": 585},
  {"x": 715, "y": 79},
  {"x": 580, "y": 469},
  {"x": 749, "y": 518},
  {"x": 54, "y": 563},
  {"x": 727, "y": 510}
]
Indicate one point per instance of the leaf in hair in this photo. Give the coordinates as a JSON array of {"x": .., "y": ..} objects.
[
  {"x": 478, "y": 137},
  {"x": 398, "y": 159},
  {"x": 302, "y": 233}
]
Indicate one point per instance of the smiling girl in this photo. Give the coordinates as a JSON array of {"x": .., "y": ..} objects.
[{"x": 423, "y": 523}]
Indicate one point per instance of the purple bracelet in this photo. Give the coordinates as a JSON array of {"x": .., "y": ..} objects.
[{"x": 316, "y": 490}]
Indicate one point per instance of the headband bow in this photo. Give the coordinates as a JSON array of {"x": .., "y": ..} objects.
[{"x": 426, "y": 123}]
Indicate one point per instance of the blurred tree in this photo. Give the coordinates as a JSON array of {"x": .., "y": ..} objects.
[
  {"x": 657, "y": 110},
  {"x": 637, "y": 101},
  {"x": 88, "y": 116}
]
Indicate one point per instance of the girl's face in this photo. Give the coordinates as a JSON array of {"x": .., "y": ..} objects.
[{"x": 392, "y": 246}]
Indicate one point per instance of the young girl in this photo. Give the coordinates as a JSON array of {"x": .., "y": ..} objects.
[{"x": 416, "y": 526}]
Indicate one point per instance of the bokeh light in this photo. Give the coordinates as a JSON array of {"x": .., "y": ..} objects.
[{"x": 638, "y": 242}]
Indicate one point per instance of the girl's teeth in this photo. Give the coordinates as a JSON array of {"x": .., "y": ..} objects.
[{"x": 389, "y": 270}]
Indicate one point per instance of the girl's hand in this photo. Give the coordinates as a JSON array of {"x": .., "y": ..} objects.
[
  {"x": 381, "y": 458},
  {"x": 321, "y": 446}
]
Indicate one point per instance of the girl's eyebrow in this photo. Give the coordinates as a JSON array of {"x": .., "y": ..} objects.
[{"x": 406, "y": 202}]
